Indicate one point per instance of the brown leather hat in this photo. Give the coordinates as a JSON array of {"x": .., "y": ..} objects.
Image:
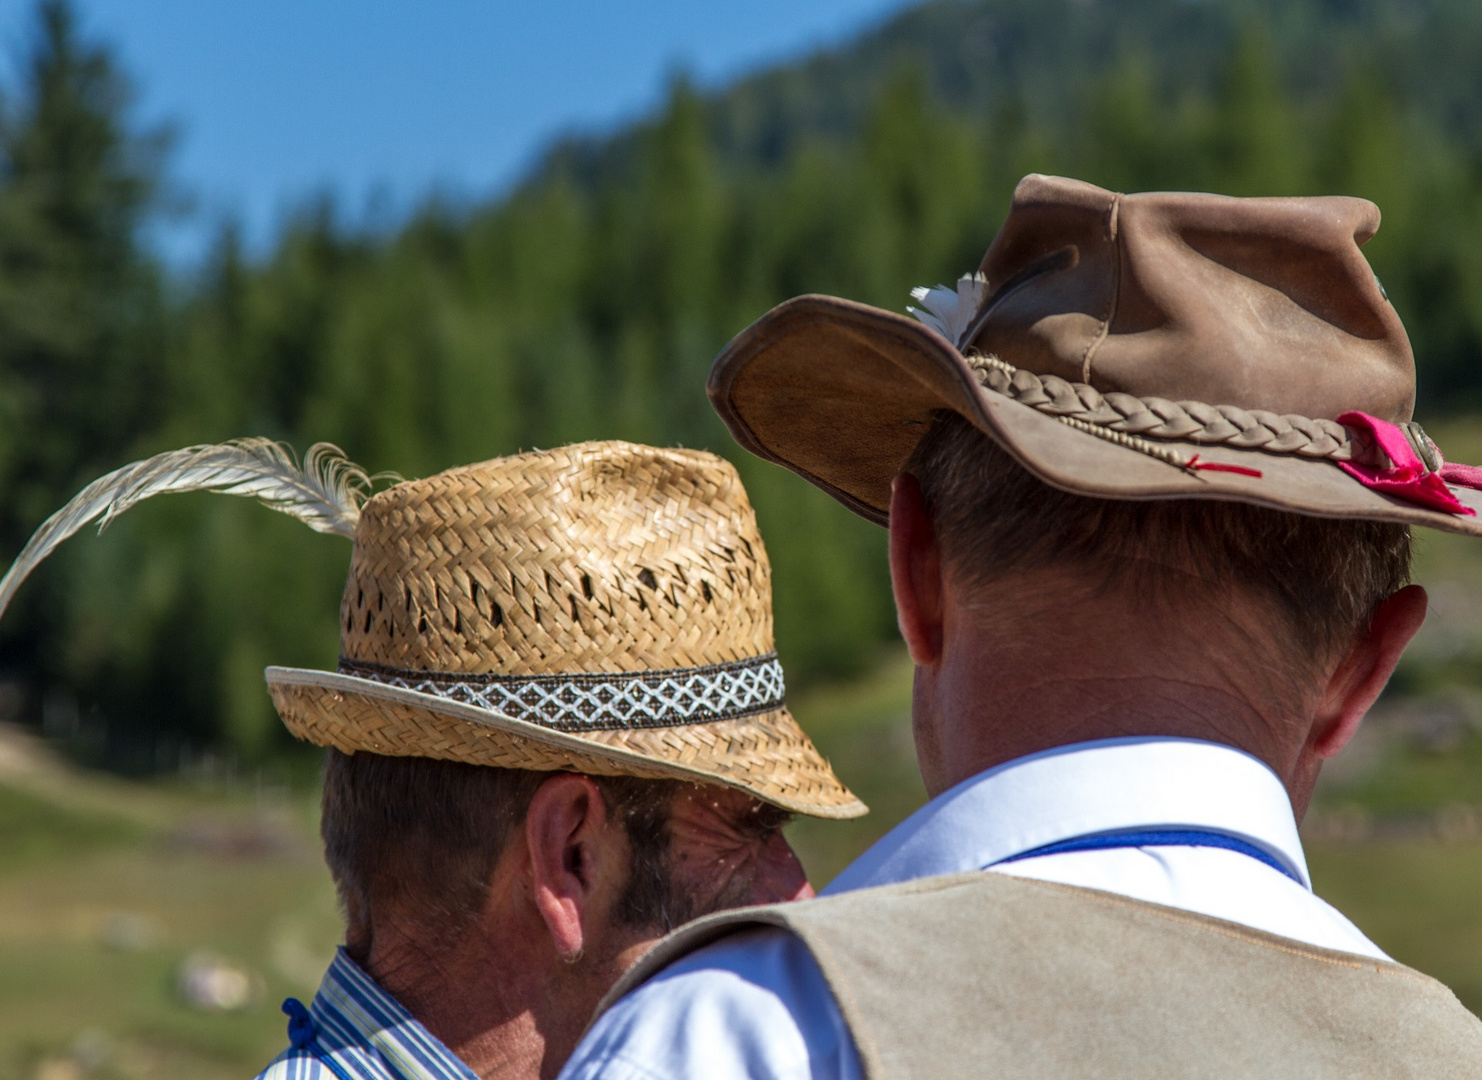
[{"x": 1161, "y": 345}]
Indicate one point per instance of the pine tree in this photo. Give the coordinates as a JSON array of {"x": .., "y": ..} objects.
[{"x": 80, "y": 314}]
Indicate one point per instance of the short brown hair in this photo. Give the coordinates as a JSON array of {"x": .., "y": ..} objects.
[
  {"x": 404, "y": 832},
  {"x": 993, "y": 517}
]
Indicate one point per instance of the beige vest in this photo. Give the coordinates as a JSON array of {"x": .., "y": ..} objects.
[{"x": 988, "y": 975}]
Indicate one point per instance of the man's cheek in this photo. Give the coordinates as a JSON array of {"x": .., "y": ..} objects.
[
  {"x": 709, "y": 882},
  {"x": 779, "y": 875},
  {"x": 705, "y": 873}
]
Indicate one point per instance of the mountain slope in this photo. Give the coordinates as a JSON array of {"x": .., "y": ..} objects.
[{"x": 979, "y": 57}]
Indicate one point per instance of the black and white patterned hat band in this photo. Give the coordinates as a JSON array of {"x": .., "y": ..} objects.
[{"x": 586, "y": 702}]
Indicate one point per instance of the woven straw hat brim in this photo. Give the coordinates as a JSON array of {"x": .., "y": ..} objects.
[
  {"x": 766, "y": 755},
  {"x": 840, "y": 393}
]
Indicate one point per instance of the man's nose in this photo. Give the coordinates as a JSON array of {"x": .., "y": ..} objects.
[{"x": 780, "y": 875}]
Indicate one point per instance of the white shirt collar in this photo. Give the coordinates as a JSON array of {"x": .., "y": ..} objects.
[{"x": 1085, "y": 788}]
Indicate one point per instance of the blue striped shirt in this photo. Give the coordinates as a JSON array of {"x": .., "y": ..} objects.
[{"x": 354, "y": 1030}]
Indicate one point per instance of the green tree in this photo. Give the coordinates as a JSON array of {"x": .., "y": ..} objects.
[{"x": 81, "y": 322}]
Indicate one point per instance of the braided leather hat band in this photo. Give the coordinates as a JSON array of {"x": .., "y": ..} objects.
[{"x": 1129, "y": 420}]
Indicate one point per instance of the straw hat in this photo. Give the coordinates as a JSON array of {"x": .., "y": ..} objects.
[
  {"x": 1121, "y": 346},
  {"x": 604, "y": 608}
]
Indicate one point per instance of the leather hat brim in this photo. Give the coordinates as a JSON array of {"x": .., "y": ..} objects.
[{"x": 841, "y": 392}]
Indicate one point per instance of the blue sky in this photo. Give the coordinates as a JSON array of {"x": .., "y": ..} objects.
[{"x": 275, "y": 100}]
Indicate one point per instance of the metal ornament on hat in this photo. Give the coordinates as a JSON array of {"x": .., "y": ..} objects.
[{"x": 1397, "y": 459}]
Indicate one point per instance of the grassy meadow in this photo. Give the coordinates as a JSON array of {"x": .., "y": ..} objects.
[{"x": 108, "y": 889}]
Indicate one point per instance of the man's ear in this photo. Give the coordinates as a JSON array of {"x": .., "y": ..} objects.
[
  {"x": 915, "y": 571},
  {"x": 567, "y": 837},
  {"x": 1361, "y": 675}
]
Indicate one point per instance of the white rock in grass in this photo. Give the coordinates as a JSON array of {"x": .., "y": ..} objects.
[{"x": 215, "y": 985}]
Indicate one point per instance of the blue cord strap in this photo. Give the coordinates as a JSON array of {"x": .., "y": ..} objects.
[
  {"x": 304, "y": 1037},
  {"x": 1160, "y": 838}
]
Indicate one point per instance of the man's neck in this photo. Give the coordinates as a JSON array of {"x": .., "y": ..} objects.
[
  {"x": 510, "y": 1009},
  {"x": 468, "y": 999},
  {"x": 1000, "y": 693}
]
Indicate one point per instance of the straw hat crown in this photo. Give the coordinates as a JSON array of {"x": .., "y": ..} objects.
[{"x": 597, "y": 557}]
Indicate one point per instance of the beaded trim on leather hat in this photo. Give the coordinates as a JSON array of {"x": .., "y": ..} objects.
[{"x": 602, "y": 607}]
